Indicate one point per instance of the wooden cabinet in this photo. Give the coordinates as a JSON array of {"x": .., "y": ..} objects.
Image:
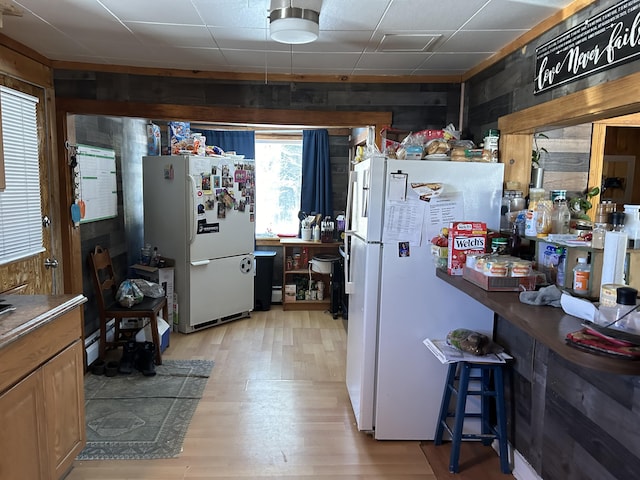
[
  {"x": 41, "y": 391},
  {"x": 299, "y": 278}
]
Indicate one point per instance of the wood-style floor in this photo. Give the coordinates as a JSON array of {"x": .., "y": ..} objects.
[{"x": 275, "y": 407}]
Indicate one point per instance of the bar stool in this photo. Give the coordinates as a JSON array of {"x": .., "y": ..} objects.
[{"x": 486, "y": 392}]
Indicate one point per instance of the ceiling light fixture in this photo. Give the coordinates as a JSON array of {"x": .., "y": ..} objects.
[{"x": 293, "y": 25}]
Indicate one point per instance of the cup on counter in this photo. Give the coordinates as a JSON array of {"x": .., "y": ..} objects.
[{"x": 306, "y": 234}]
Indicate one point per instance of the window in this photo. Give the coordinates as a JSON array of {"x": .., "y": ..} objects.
[
  {"x": 20, "y": 207},
  {"x": 278, "y": 184}
]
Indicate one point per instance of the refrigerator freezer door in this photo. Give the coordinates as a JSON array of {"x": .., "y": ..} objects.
[
  {"x": 219, "y": 288},
  {"x": 362, "y": 331},
  {"x": 367, "y": 206},
  {"x": 217, "y": 229}
]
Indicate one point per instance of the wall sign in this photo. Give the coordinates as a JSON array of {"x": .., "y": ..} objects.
[{"x": 604, "y": 41}]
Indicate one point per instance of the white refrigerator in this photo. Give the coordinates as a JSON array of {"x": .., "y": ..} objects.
[
  {"x": 395, "y": 299},
  {"x": 199, "y": 211}
]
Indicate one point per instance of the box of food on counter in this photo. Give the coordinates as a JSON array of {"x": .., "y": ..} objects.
[
  {"x": 465, "y": 238},
  {"x": 505, "y": 283}
]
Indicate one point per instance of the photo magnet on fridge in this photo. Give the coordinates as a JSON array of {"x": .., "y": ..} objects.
[{"x": 403, "y": 249}]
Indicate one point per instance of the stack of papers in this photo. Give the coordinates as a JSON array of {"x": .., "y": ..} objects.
[{"x": 449, "y": 354}]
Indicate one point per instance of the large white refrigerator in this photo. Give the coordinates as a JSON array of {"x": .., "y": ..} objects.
[
  {"x": 199, "y": 211},
  {"x": 395, "y": 299}
]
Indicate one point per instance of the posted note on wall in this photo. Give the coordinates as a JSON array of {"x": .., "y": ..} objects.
[{"x": 97, "y": 190}]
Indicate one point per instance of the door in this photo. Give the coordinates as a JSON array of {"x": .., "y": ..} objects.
[
  {"x": 362, "y": 335},
  {"x": 29, "y": 275},
  {"x": 223, "y": 210},
  {"x": 220, "y": 288}
]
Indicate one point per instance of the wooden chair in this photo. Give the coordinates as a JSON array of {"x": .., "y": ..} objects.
[{"x": 106, "y": 286}]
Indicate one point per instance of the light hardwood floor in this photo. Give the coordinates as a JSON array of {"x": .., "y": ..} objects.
[{"x": 275, "y": 407}]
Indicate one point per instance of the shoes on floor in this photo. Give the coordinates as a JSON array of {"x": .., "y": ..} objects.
[
  {"x": 129, "y": 357},
  {"x": 97, "y": 368},
  {"x": 146, "y": 359},
  {"x": 111, "y": 369}
]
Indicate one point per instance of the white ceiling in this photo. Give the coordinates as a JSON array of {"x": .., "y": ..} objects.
[{"x": 232, "y": 35}]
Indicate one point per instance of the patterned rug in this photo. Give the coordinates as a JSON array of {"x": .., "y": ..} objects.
[{"x": 131, "y": 417}]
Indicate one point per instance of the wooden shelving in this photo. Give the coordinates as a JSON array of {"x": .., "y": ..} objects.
[{"x": 297, "y": 274}]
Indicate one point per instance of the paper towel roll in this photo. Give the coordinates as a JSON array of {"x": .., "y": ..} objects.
[{"x": 613, "y": 258}]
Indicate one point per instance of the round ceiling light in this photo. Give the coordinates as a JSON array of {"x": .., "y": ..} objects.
[{"x": 294, "y": 25}]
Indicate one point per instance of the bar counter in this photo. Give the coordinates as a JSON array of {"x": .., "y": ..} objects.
[
  {"x": 571, "y": 414},
  {"x": 548, "y": 325}
]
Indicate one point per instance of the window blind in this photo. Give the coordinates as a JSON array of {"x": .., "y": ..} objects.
[{"x": 20, "y": 205}]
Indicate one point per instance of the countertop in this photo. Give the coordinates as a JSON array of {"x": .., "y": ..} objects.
[
  {"x": 548, "y": 325},
  {"x": 33, "y": 311}
]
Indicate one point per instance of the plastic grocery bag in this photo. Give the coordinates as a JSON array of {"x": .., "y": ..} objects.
[
  {"x": 149, "y": 289},
  {"x": 129, "y": 294}
]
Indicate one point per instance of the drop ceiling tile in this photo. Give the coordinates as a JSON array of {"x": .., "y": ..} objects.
[
  {"x": 501, "y": 14},
  {"x": 245, "y": 39},
  {"x": 233, "y": 13},
  {"x": 453, "y": 61},
  {"x": 385, "y": 61},
  {"x": 351, "y": 15},
  {"x": 478, "y": 41},
  {"x": 176, "y": 35},
  {"x": 157, "y": 11},
  {"x": 434, "y": 15},
  {"x": 245, "y": 57},
  {"x": 336, "y": 41},
  {"x": 326, "y": 60}
]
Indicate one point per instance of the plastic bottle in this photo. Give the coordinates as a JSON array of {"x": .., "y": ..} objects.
[
  {"x": 561, "y": 217},
  {"x": 581, "y": 274},
  {"x": 562, "y": 261},
  {"x": 597, "y": 235},
  {"x": 316, "y": 233},
  {"x": 619, "y": 316}
]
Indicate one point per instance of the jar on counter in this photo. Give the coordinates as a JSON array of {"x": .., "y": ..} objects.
[{"x": 543, "y": 218}]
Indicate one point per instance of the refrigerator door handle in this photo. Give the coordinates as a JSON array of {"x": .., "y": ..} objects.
[
  {"x": 193, "y": 218},
  {"x": 199, "y": 263},
  {"x": 348, "y": 285}
]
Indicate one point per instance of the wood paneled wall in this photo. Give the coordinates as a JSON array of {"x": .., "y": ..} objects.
[{"x": 570, "y": 422}]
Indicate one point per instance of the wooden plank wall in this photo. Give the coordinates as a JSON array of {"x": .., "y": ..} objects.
[
  {"x": 568, "y": 421},
  {"x": 122, "y": 235}
]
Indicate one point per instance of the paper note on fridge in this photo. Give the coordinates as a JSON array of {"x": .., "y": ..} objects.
[{"x": 403, "y": 222}]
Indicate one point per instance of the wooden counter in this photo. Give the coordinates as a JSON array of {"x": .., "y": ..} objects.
[
  {"x": 548, "y": 325},
  {"x": 41, "y": 386}
]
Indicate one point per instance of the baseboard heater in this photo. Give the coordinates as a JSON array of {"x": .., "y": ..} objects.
[{"x": 92, "y": 343}]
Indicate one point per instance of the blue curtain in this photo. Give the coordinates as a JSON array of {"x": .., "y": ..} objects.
[
  {"x": 241, "y": 142},
  {"x": 317, "y": 190}
]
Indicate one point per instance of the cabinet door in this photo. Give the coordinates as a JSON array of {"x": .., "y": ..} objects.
[
  {"x": 64, "y": 398},
  {"x": 22, "y": 441}
]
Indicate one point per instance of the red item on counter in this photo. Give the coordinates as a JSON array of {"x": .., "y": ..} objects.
[
  {"x": 585, "y": 340},
  {"x": 465, "y": 238}
]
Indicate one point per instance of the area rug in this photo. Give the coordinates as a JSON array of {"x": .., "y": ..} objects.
[{"x": 136, "y": 417}]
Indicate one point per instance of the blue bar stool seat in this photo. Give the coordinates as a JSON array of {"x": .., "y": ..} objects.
[{"x": 461, "y": 372}]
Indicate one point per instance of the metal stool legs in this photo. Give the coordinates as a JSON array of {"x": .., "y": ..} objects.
[{"x": 486, "y": 392}]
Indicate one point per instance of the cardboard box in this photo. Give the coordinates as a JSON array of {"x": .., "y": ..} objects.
[
  {"x": 163, "y": 276},
  {"x": 290, "y": 293},
  {"x": 464, "y": 238}
]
